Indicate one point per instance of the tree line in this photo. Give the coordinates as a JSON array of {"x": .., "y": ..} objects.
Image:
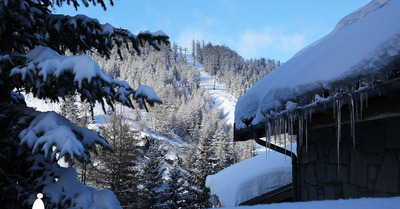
[{"x": 229, "y": 68}]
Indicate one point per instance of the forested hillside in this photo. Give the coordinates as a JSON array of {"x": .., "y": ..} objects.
[
  {"x": 173, "y": 146},
  {"x": 230, "y": 68}
]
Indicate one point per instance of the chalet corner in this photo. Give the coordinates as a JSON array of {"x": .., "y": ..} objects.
[{"x": 341, "y": 98}]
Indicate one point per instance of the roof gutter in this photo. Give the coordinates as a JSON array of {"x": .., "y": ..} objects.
[{"x": 288, "y": 153}]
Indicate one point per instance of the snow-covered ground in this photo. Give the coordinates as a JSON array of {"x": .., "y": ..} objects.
[
  {"x": 362, "y": 203},
  {"x": 219, "y": 96}
]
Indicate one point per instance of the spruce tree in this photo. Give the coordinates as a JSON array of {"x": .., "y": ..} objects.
[
  {"x": 152, "y": 184},
  {"x": 117, "y": 169},
  {"x": 33, "y": 42},
  {"x": 69, "y": 108}
]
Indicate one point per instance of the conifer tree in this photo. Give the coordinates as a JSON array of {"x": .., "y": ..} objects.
[
  {"x": 151, "y": 177},
  {"x": 117, "y": 169},
  {"x": 33, "y": 42},
  {"x": 218, "y": 149},
  {"x": 202, "y": 167},
  {"x": 69, "y": 108},
  {"x": 177, "y": 192}
]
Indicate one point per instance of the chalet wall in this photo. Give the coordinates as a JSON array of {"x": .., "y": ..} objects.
[{"x": 371, "y": 169}]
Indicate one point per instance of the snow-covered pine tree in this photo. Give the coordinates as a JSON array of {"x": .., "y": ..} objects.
[
  {"x": 69, "y": 108},
  {"x": 218, "y": 148},
  {"x": 117, "y": 170},
  {"x": 32, "y": 44},
  {"x": 230, "y": 151},
  {"x": 202, "y": 166},
  {"x": 152, "y": 184},
  {"x": 176, "y": 193},
  {"x": 199, "y": 52}
]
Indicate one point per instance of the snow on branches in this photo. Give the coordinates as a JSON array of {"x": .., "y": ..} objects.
[
  {"x": 50, "y": 76},
  {"x": 51, "y": 133}
]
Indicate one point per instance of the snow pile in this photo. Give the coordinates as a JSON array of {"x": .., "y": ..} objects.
[
  {"x": 358, "y": 51},
  {"x": 251, "y": 178},
  {"x": 362, "y": 203}
]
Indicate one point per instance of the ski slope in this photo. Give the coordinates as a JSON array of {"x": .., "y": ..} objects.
[{"x": 219, "y": 95}]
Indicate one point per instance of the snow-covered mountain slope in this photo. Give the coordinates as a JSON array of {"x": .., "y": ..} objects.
[{"x": 218, "y": 93}]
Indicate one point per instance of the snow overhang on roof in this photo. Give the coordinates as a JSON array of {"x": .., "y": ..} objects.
[
  {"x": 363, "y": 50},
  {"x": 251, "y": 178}
]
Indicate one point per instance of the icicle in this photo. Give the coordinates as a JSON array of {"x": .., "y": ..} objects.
[
  {"x": 266, "y": 138},
  {"x": 334, "y": 109},
  {"x": 300, "y": 120},
  {"x": 306, "y": 130},
  {"x": 338, "y": 131},
  {"x": 280, "y": 130},
  {"x": 285, "y": 132},
  {"x": 356, "y": 110},
  {"x": 373, "y": 81},
  {"x": 361, "y": 105},
  {"x": 269, "y": 135},
  {"x": 352, "y": 121},
  {"x": 275, "y": 130},
  {"x": 291, "y": 135}
]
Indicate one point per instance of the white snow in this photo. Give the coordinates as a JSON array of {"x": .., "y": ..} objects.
[
  {"x": 251, "y": 178},
  {"x": 353, "y": 52},
  {"x": 50, "y": 132},
  {"x": 50, "y": 63},
  {"x": 159, "y": 33},
  {"x": 147, "y": 93},
  {"x": 219, "y": 96},
  {"x": 351, "y": 18},
  {"x": 84, "y": 196},
  {"x": 362, "y": 203},
  {"x": 107, "y": 28}
]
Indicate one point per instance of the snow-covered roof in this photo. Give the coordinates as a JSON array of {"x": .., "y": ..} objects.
[
  {"x": 358, "y": 51},
  {"x": 251, "y": 178}
]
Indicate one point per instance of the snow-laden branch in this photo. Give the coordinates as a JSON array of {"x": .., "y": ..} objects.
[
  {"x": 61, "y": 185},
  {"x": 50, "y": 76},
  {"x": 53, "y": 134},
  {"x": 146, "y": 93},
  {"x": 92, "y": 34}
]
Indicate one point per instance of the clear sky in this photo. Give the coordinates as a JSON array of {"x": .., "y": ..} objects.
[{"x": 274, "y": 29}]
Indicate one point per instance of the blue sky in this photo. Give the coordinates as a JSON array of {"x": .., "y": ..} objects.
[{"x": 274, "y": 29}]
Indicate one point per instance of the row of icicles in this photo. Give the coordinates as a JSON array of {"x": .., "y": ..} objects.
[{"x": 281, "y": 128}]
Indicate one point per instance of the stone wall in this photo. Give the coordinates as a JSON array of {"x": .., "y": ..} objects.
[{"x": 371, "y": 169}]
